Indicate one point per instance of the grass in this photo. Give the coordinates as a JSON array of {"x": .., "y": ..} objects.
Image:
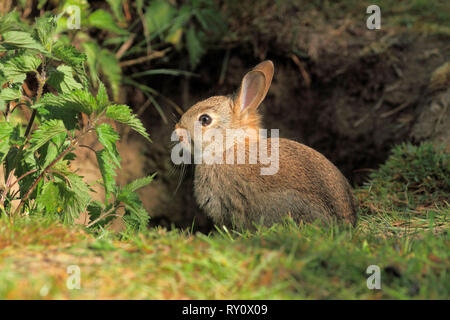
[{"x": 403, "y": 229}]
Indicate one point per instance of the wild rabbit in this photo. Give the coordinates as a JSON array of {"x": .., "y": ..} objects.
[{"x": 305, "y": 185}]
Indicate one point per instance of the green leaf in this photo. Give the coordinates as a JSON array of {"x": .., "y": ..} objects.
[
  {"x": 20, "y": 39},
  {"x": 76, "y": 197},
  {"x": 50, "y": 197},
  {"x": 77, "y": 100},
  {"x": 22, "y": 162},
  {"x": 51, "y": 150},
  {"x": 44, "y": 30},
  {"x": 139, "y": 183},
  {"x": 48, "y": 112},
  {"x": 69, "y": 55},
  {"x": 15, "y": 67},
  {"x": 159, "y": 15},
  {"x": 136, "y": 217},
  {"x": 111, "y": 69},
  {"x": 105, "y": 21},
  {"x": 6, "y": 130},
  {"x": 9, "y": 94},
  {"x": 68, "y": 196},
  {"x": 108, "y": 137},
  {"x": 72, "y": 57},
  {"x": 194, "y": 46},
  {"x": 211, "y": 21},
  {"x": 174, "y": 35},
  {"x": 95, "y": 209},
  {"x": 92, "y": 51},
  {"x": 107, "y": 170},
  {"x": 122, "y": 113},
  {"x": 116, "y": 7},
  {"x": 62, "y": 79},
  {"x": 102, "y": 98},
  {"x": 46, "y": 131},
  {"x": 10, "y": 21}
]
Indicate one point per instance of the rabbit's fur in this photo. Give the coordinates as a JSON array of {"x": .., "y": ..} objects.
[{"x": 307, "y": 186}]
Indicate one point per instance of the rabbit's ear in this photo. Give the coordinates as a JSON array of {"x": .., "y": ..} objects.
[
  {"x": 254, "y": 86},
  {"x": 267, "y": 68}
]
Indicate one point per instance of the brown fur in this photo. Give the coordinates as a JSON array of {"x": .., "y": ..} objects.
[{"x": 307, "y": 186}]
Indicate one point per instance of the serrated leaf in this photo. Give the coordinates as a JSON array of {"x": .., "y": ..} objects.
[
  {"x": 102, "y": 98},
  {"x": 72, "y": 57},
  {"x": 139, "y": 183},
  {"x": 62, "y": 79},
  {"x": 95, "y": 209},
  {"x": 77, "y": 198},
  {"x": 69, "y": 55},
  {"x": 44, "y": 30},
  {"x": 52, "y": 149},
  {"x": 9, "y": 94},
  {"x": 75, "y": 100},
  {"x": 46, "y": 131},
  {"x": 20, "y": 39},
  {"x": 136, "y": 216},
  {"x": 123, "y": 113},
  {"x": 108, "y": 137},
  {"x": 10, "y": 21},
  {"x": 107, "y": 170},
  {"x": 105, "y": 21},
  {"x": 48, "y": 112},
  {"x": 15, "y": 67},
  {"x": 67, "y": 196},
  {"x": 50, "y": 197}
]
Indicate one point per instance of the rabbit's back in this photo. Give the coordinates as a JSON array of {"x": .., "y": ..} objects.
[{"x": 307, "y": 186}]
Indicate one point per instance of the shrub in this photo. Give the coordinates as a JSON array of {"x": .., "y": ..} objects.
[{"x": 38, "y": 159}]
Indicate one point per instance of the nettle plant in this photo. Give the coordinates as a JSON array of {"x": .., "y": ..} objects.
[{"x": 36, "y": 158}]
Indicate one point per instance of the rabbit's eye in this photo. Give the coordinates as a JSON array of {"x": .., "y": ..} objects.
[{"x": 205, "y": 120}]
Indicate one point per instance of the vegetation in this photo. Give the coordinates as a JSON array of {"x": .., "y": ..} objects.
[
  {"x": 408, "y": 241},
  {"x": 117, "y": 36},
  {"x": 38, "y": 159}
]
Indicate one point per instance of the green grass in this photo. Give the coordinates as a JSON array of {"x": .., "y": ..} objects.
[{"x": 403, "y": 229}]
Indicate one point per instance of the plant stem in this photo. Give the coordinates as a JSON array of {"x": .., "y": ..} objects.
[
  {"x": 23, "y": 176},
  {"x": 105, "y": 215},
  {"x": 39, "y": 178},
  {"x": 35, "y": 183},
  {"x": 41, "y": 80}
]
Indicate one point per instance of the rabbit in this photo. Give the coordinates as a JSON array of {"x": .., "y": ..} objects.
[{"x": 306, "y": 187}]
